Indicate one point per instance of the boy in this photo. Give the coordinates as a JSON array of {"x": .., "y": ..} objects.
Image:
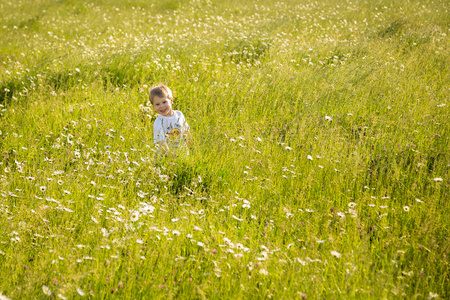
[{"x": 170, "y": 130}]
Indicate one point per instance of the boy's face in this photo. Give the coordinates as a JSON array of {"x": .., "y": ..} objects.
[{"x": 163, "y": 106}]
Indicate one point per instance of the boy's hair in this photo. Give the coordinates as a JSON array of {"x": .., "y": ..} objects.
[{"x": 161, "y": 91}]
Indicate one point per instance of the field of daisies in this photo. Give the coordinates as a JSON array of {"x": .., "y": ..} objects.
[{"x": 319, "y": 170}]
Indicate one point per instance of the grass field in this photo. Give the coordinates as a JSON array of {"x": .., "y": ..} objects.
[{"x": 320, "y": 167}]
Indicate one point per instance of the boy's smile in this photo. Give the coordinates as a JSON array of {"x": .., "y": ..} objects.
[{"x": 163, "y": 106}]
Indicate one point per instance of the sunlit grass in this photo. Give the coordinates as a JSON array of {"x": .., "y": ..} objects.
[{"x": 319, "y": 170}]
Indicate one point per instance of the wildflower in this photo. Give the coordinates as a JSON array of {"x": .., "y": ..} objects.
[
  {"x": 135, "y": 216},
  {"x": 236, "y": 218},
  {"x": 164, "y": 178},
  {"x": 407, "y": 273},
  {"x": 433, "y": 295},
  {"x": 353, "y": 212},
  {"x": 418, "y": 200},
  {"x": 139, "y": 241},
  {"x": 263, "y": 256},
  {"x": 43, "y": 188},
  {"x": 263, "y": 272},
  {"x": 46, "y": 290},
  {"x": 328, "y": 118},
  {"x": 146, "y": 208},
  {"x": 406, "y": 208},
  {"x": 80, "y": 292},
  {"x": 438, "y": 179},
  {"x": 94, "y": 220},
  {"x": 309, "y": 157},
  {"x": 2, "y": 297},
  {"x": 336, "y": 254}
]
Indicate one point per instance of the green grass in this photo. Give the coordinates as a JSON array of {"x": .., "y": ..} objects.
[{"x": 320, "y": 164}]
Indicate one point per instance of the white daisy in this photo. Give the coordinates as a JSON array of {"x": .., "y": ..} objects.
[
  {"x": 80, "y": 292},
  {"x": 263, "y": 272},
  {"x": 46, "y": 290},
  {"x": 336, "y": 254},
  {"x": 134, "y": 216}
]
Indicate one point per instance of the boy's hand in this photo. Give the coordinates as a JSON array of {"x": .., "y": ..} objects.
[
  {"x": 165, "y": 149},
  {"x": 164, "y": 146},
  {"x": 189, "y": 139}
]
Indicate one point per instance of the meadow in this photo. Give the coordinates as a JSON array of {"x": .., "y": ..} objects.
[{"x": 320, "y": 166}]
